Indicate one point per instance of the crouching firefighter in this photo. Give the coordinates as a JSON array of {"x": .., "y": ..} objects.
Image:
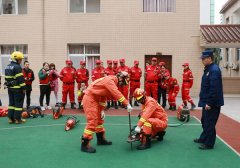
[
  {"x": 15, "y": 83},
  {"x": 94, "y": 102},
  {"x": 153, "y": 119}
]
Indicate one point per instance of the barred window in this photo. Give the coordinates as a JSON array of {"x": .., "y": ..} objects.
[{"x": 159, "y": 5}]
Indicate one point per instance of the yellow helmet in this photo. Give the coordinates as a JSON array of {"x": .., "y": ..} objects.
[{"x": 17, "y": 55}]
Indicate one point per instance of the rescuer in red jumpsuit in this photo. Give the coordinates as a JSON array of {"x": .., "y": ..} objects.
[
  {"x": 82, "y": 77},
  {"x": 123, "y": 68},
  {"x": 98, "y": 71},
  {"x": 68, "y": 77},
  {"x": 135, "y": 76},
  {"x": 172, "y": 90},
  {"x": 94, "y": 104},
  {"x": 109, "y": 71},
  {"x": 151, "y": 83},
  {"x": 153, "y": 121},
  {"x": 187, "y": 85},
  {"x": 162, "y": 88}
]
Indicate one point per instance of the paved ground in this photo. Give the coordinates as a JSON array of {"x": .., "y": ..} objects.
[{"x": 231, "y": 107}]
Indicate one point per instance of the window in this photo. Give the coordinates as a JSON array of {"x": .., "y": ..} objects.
[
  {"x": 159, "y": 5},
  {"x": 84, "y": 6},
  {"x": 87, "y": 52},
  {"x": 6, "y": 51},
  {"x": 13, "y": 7}
]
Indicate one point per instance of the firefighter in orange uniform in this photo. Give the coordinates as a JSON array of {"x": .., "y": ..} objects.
[
  {"x": 109, "y": 71},
  {"x": 187, "y": 85},
  {"x": 162, "y": 88},
  {"x": 98, "y": 71},
  {"x": 123, "y": 68},
  {"x": 172, "y": 90},
  {"x": 94, "y": 104},
  {"x": 153, "y": 120},
  {"x": 68, "y": 76},
  {"x": 135, "y": 76},
  {"x": 151, "y": 83},
  {"x": 82, "y": 75}
]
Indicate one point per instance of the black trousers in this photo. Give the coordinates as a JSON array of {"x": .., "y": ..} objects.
[
  {"x": 209, "y": 120},
  {"x": 44, "y": 90},
  {"x": 28, "y": 95},
  {"x": 162, "y": 93},
  {"x": 15, "y": 107}
]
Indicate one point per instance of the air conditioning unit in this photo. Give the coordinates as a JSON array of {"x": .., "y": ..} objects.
[
  {"x": 235, "y": 66},
  {"x": 225, "y": 65}
]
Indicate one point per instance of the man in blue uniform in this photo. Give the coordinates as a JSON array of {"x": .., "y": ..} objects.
[
  {"x": 16, "y": 88},
  {"x": 211, "y": 100}
]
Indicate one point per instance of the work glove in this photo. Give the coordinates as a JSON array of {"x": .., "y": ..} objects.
[
  {"x": 129, "y": 108},
  {"x": 102, "y": 115},
  {"x": 137, "y": 129}
]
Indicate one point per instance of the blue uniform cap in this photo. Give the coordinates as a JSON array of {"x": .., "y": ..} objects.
[{"x": 206, "y": 54}]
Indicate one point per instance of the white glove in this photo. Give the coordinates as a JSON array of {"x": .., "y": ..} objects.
[
  {"x": 138, "y": 129},
  {"x": 129, "y": 108},
  {"x": 102, "y": 115}
]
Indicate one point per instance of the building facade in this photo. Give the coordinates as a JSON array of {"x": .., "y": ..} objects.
[
  {"x": 207, "y": 11},
  {"x": 56, "y": 30}
]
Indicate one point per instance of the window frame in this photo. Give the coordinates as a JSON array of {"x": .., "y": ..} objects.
[
  {"x": 158, "y": 8},
  {"x": 84, "y": 8},
  {"x": 16, "y": 8}
]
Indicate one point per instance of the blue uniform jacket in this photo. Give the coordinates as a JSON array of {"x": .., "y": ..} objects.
[{"x": 211, "y": 92}]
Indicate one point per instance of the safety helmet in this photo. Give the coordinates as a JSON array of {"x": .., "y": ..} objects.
[
  {"x": 115, "y": 62},
  {"x": 82, "y": 63},
  {"x": 69, "y": 62},
  {"x": 139, "y": 93},
  {"x": 162, "y": 64},
  {"x": 98, "y": 62},
  {"x": 109, "y": 61},
  {"x": 70, "y": 123},
  {"x": 122, "y": 60},
  {"x": 185, "y": 64},
  {"x": 166, "y": 74},
  {"x": 136, "y": 62},
  {"x": 17, "y": 55}
]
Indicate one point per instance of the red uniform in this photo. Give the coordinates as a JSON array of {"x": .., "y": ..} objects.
[
  {"x": 68, "y": 76},
  {"x": 151, "y": 85},
  {"x": 172, "y": 90},
  {"x": 153, "y": 117},
  {"x": 82, "y": 75},
  {"x": 162, "y": 88},
  {"x": 97, "y": 73},
  {"x": 124, "y": 89},
  {"x": 94, "y": 102},
  {"x": 186, "y": 86},
  {"x": 135, "y": 76}
]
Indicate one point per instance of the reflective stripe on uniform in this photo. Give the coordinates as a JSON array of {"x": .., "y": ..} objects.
[
  {"x": 99, "y": 126},
  {"x": 102, "y": 104},
  {"x": 88, "y": 132},
  {"x": 15, "y": 87},
  {"x": 147, "y": 124},
  {"x": 10, "y": 77},
  {"x": 121, "y": 99},
  {"x": 19, "y": 74},
  {"x": 11, "y": 107},
  {"x": 22, "y": 84},
  {"x": 142, "y": 119},
  {"x": 18, "y": 109}
]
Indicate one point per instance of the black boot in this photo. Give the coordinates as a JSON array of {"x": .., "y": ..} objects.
[
  {"x": 112, "y": 103},
  {"x": 136, "y": 104},
  {"x": 101, "y": 139},
  {"x": 170, "y": 108},
  {"x": 174, "y": 108},
  {"x": 160, "y": 135},
  {"x": 108, "y": 105},
  {"x": 193, "y": 106},
  {"x": 115, "y": 105},
  {"x": 146, "y": 143},
  {"x": 79, "y": 106},
  {"x": 64, "y": 105},
  {"x": 73, "y": 106},
  {"x": 85, "y": 147},
  {"x": 130, "y": 102}
]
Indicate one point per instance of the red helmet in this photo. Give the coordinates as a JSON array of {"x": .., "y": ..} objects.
[
  {"x": 98, "y": 62},
  {"x": 162, "y": 64},
  {"x": 69, "y": 62},
  {"x": 185, "y": 64},
  {"x": 139, "y": 93},
  {"x": 70, "y": 123},
  {"x": 109, "y": 61},
  {"x": 115, "y": 61},
  {"x": 122, "y": 60},
  {"x": 82, "y": 63},
  {"x": 166, "y": 74},
  {"x": 136, "y": 62}
]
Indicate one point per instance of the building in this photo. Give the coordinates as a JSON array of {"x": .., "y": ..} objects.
[
  {"x": 207, "y": 11},
  {"x": 226, "y": 37},
  {"x": 56, "y": 30}
]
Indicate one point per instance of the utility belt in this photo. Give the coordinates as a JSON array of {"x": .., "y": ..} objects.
[
  {"x": 68, "y": 83},
  {"x": 135, "y": 80},
  {"x": 152, "y": 81},
  {"x": 8, "y": 84},
  {"x": 186, "y": 80}
]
